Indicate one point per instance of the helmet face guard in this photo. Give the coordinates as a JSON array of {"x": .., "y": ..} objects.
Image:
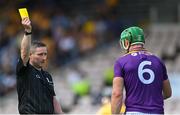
[{"x": 134, "y": 35}]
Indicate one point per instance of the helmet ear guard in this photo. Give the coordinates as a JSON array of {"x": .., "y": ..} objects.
[
  {"x": 125, "y": 35},
  {"x": 123, "y": 44}
]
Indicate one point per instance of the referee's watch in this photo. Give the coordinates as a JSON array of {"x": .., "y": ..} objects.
[{"x": 28, "y": 33}]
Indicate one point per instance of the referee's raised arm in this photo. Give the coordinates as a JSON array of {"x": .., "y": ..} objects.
[{"x": 26, "y": 41}]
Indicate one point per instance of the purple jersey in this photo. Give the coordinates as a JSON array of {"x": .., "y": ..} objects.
[{"x": 143, "y": 75}]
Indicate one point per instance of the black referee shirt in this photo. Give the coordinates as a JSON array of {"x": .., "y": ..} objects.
[{"x": 35, "y": 90}]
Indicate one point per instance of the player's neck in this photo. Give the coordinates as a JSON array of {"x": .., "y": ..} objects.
[{"x": 136, "y": 48}]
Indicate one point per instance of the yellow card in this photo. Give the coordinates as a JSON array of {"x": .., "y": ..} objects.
[{"x": 23, "y": 13}]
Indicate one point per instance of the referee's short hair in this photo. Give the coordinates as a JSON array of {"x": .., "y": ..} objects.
[{"x": 35, "y": 44}]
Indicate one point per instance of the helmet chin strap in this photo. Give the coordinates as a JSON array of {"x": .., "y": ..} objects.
[{"x": 128, "y": 47}]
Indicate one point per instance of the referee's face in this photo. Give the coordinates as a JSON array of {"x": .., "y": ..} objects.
[{"x": 38, "y": 57}]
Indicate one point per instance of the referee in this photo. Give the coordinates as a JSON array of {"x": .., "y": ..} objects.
[{"x": 35, "y": 87}]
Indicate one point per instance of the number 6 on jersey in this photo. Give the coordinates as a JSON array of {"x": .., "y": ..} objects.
[{"x": 141, "y": 71}]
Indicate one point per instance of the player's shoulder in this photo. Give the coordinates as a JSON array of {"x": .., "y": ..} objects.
[
  {"x": 122, "y": 58},
  {"x": 157, "y": 58}
]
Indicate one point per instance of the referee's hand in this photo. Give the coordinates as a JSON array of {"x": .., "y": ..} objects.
[{"x": 27, "y": 24}]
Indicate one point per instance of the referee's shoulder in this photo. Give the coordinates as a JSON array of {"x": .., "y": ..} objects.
[{"x": 46, "y": 72}]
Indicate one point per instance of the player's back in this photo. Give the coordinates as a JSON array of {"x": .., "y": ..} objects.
[{"x": 143, "y": 75}]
